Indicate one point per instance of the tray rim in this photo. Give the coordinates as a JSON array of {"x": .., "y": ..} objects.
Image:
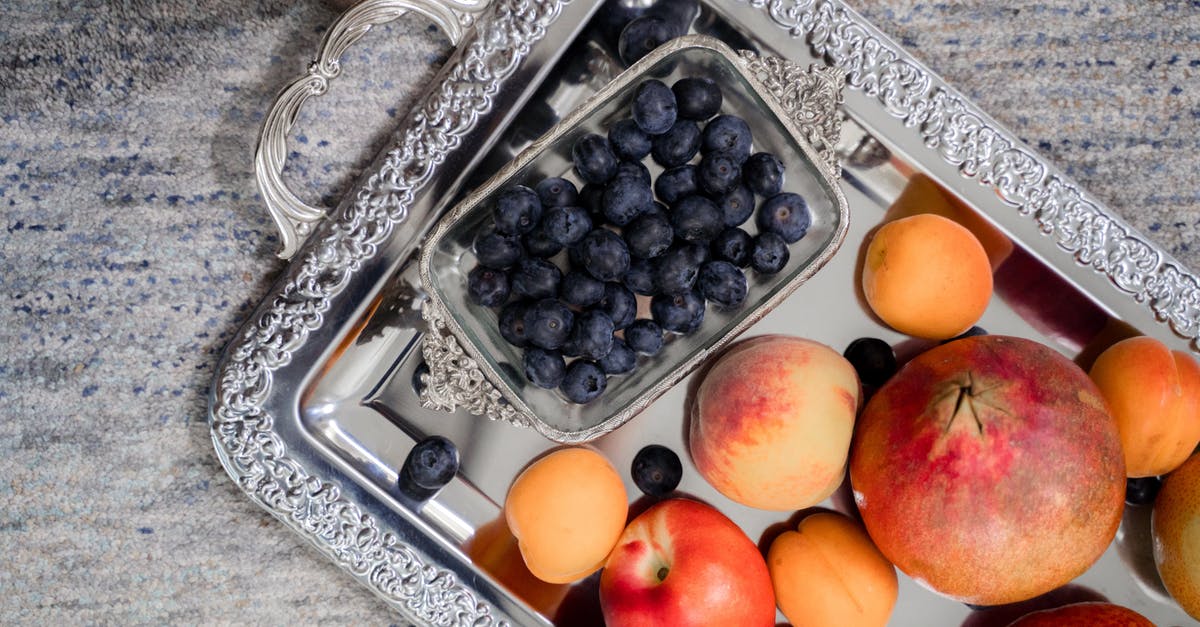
[{"x": 337, "y": 518}]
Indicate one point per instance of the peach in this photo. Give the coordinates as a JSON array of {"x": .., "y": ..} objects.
[
  {"x": 1154, "y": 395},
  {"x": 923, "y": 195},
  {"x": 566, "y": 510},
  {"x": 1175, "y": 527},
  {"x": 828, "y": 572},
  {"x": 772, "y": 420},
  {"x": 927, "y": 276}
]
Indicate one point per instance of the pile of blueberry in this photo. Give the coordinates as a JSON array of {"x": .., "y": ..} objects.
[{"x": 682, "y": 251}]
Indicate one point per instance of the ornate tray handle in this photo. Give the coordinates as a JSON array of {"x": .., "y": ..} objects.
[{"x": 293, "y": 217}]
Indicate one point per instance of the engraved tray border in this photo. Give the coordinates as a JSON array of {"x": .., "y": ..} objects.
[{"x": 430, "y": 586}]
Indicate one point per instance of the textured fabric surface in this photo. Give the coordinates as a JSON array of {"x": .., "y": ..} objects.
[{"x": 135, "y": 245}]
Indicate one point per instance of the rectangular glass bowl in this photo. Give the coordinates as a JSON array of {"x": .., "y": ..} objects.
[{"x": 448, "y": 258}]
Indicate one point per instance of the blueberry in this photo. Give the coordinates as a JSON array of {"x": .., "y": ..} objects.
[
  {"x": 642, "y": 35},
  {"x": 785, "y": 214},
  {"x": 634, "y": 169},
  {"x": 619, "y": 304},
  {"x": 603, "y": 254},
  {"x": 497, "y": 251},
  {"x": 656, "y": 470},
  {"x": 698, "y": 98},
  {"x": 544, "y": 368},
  {"x": 612, "y": 17},
  {"x": 418, "y": 381},
  {"x": 487, "y": 287},
  {"x": 538, "y": 243},
  {"x": 620, "y": 360},
  {"x": 557, "y": 192},
  {"x": 763, "y": 174},
  {"x": 769, "y": 254},
  {"x": 594, "y": 159},
  {"x": 640, "y": 277},
  {"x": 517, "y": 211},
  {"x": 678, "y": 313},
  {"x": 736, "y": 206},
  {"x": 696, "y": 219},
  {"x": 679, "y": 14},
  {"x": 628, "y": 141},
  {"x": 660, "y": 210},
  {"x": 733, "y": 245},
  {"x": 590, "y": 198},
  {"x": 1142, "y": 490},
  {"x": 653, "y": 107},
  {"x": 649, "y": 236},
  {"x": 676, "y": 183},
  {"x": 972, "y": 332},
  {"x": 536, "y": 278},
  {"x": 722, "y": 283},
  {"x": 644, "y": 336},
  {"x": 718, "y": 173},
  {"x": 584, "y": 381},
  {"x": 430, "y": 465},
  {"x": 548, "y": 324},
  {"x": 727, "y": 133},
  {"x": 592, "y": 334},
  {"x": 580, "y": 289},
  {"x": 873, "y": 359},
  {"x": 625, "y": 198},
  {"x": 512, "y": 323},
  {"x": 676, "y": 271},
  {"x": 566, "y": 225},
  {"x": 678, "y": 145}
]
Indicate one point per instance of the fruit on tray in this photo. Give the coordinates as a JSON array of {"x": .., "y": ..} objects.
[
  {"x": 923, "y": 195},
  {"x": 1154, "y": 395},
  {"x": 656, "y": 470},
  {"x": 1084, "y": 615},
  {"x": 1004, "y": 615},
  {"x": 1176, "y": 535},
  {"x": 772, "y": 420},
  {"x": 989, "y": 469},
  {"x": 828, "y": 572},
  {"x": 429, "y": 466},
  {"x": 683, "y": 563},
  {"x": 566, "y": 509},
  {"x": 927, "y": 276}
]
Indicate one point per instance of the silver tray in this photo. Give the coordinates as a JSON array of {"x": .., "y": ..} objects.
[{"x": 313, "y": 409}]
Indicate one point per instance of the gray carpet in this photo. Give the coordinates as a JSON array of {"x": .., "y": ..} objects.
[{"x": 135, "y": 245}]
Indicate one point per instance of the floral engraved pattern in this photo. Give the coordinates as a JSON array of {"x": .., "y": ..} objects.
[
  {"x": 810, "y": 97},
  {"x": 964, "y": 137},
  {"x": 242, "y": 430}
]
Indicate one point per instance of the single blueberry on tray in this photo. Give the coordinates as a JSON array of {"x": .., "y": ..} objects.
[
  {"x": 557, "y": 192},
  {"x": 517, "y": 210},
  {"x": 697, "y": 98},
  {"x": 769, "y": 254},
  {"x": 872, "y": 358},
  {"x": 736, "y": 206},
  {"x": 580, "y": 289},
  {"x": 640, "y": 277},
  {"x": 653, "y": 107},
  {"x": 786, "y": 214},
  {"x": 548, "y": 324},
  {"x": 696, "y": 219},
  {"x": 642, "y": 35},
  {"x": 603, "y": 255},
  {"x": 535, "y": 278},
  {"x": 628, "y": 141},
  {"x": 594, "y": 159},
  {"x": 676, "y": 271},
  {"x": 1142, "y": 490},
  {"x": 763, "y": 174},
  {"x": 649, "y": 236},
  {"x": 644, "y": 336},
  {"x": 729, "y": 134},
  {"x": 733, "y": 245},
  {"x": 619, "y": 304},
  {"x": 625, "y": 198},
  {"x": 497, "y": 251},
  {"x": 544, "y": 368},
  {"x": 656, "y": 470},
  {"x": 512, "y": 323},
  {"x": 488, "y": 287},
  {"x": 430, "y": 465},
  {"x": 678, "y": 145},
  {"x": 620, "y": 360},
  {"x": 719, "y": 173},
  {"x": 678, "y": 313},
  {"x": 592, "y": 335},
  {"x": 677, "y": 183},
  {"x": 583, "y": 382},
  {"x": 679, "y": 14},
  {"x": 538, "y": 243},
  {"x": 722, "y": 283},
  {"x": 566, "y": 225}
]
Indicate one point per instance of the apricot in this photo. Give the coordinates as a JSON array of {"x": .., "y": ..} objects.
[
  {"x": 927, "y": 276},
  {"x": 828, "y": 572},
  {"x": 1173, "y": 525},
  {"x": 923, "y": 195},
  {"x": 1153, "y": 394},
  {"x": 566, "y": 510}
]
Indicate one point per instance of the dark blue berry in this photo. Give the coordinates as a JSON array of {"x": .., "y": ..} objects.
[
  {"x": 512, "y": 323},
  {"x": 769, "y": 254},
  {"x": 649, "y": 236},
  {"x": 642, "y": 35},
  {"x": 786, "y": 214},
  {"x": 497, "y": 251},
  {"x": 679, "y": 14},
  {"x": 972, "y": 332},
  {"x": 1142, "y": 490},
  {"x": 644, "y": 336},
  {"x": 580, "y": 289},
  {"x": 544, "y": 368},
  {"x": 594, "y": 159},
  {"x": 718, "y": 173},
  {"x": 763, "y": 174},
  {"x": 698, "y": 98},
  {"x": 653, "y": 107},
  {"x": 676, "y": 270},
  {"x": 678, "y": 313},
  {"x": 548, "y": 324},
  {"x": 418, "y": 377},
  {"x": 678, "y": 145},
  {"x": 610, "y": 19},
  {"x": 590, "y": 198},
  {"x": 487, "y": 287},
  {"x": 677, "y": 183},
  {"x": 517, "y": 211},
  {"x": 584, "y": 381},
  {"x": 873, "y": 359},
  {"x": 625, "y": 198},
  {"x": 628, "y": 141},
  {"x": 696, "y": 219},
  {"x": 640, "y": 277},
  {"x": 727, "y": 133},
  {"x": 619, "y": 304},
  {"x": 736, "y": 206},
  {"x": 603, "y": 254},
  {"x": 538, "y": 243},
  {"x": 557, "y": 192},
  {"x": 656, "y": 470},
  {"x": 592, "y": 334},
  {"x": 635, "y": 170},
  {"x": 722, "y": 283},
  {"x": 619, "y": 360},
  {"x": 733, "y": 245},
  {"x": 535, "y": 278},
  {"x": 430, "y": 465},
  {"x": 566, "y": 225}
]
